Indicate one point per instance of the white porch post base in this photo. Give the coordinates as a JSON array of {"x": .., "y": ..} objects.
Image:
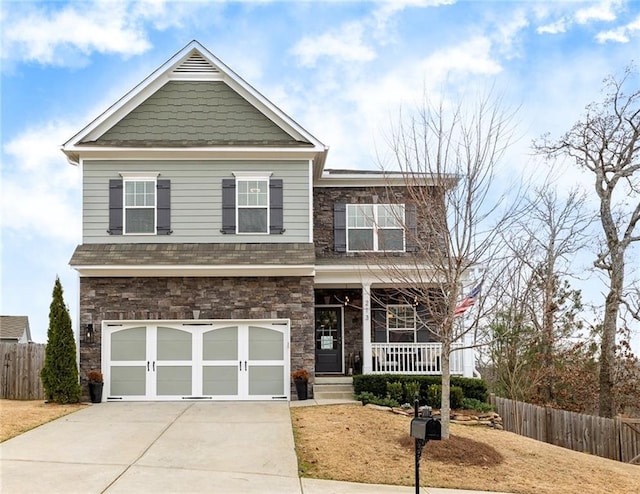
[{"x": 366, "y": 329}]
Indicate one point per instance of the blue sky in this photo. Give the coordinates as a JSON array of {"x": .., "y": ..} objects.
[{"x": 340, "y": 69}]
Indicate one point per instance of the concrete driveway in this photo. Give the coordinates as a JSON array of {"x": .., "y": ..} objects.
[
  {"x": 156, "y": 447},
  {"x": 168, "y": 447}
]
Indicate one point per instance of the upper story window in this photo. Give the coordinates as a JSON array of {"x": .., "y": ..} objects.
[
  {"x": 140, "y": 206},
  {"x": 252, "y": 205},
  {"x": 375, "y": 227},
  {"x": 401, "y": 323}
]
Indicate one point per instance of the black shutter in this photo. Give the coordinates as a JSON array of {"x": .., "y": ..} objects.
[
  {"x": 276, "y": 223},
  {"x": 163, "y": 189},
  {"x": 411, "y": 224},
  {"x": 228, "y": 205},
  {"x": 340, "y": 227},
  {"x": 115, "y": 207}
]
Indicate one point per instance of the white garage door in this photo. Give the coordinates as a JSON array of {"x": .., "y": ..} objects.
[{"x": 215, "y": 360}]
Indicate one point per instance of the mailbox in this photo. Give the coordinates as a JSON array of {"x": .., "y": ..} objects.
[{"x": 425, "y": 429}]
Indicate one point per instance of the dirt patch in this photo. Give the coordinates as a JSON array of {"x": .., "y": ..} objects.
[
  {"x": 457, "y": 450},
  {"x": 17, "y": 417},
  {"x": 359, "y": 444}
]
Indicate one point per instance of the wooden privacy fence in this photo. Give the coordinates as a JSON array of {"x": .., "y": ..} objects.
[
  {"x": 20, "y": 372},
  {"x": 616, "y": 439}
]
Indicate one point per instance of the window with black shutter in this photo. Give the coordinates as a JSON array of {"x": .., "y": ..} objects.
[
  {"x": 139, "y": 205},
  {"x": 252, "y": 204}
]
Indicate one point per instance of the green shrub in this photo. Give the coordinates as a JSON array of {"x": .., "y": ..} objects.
[
  {"x": 477, "y": 405},
  {"x": 394, "y": 391},
  {"x": 456, "y": 396},
  {"x": 366, "y": 398},
  {"x": 434, "y": 396},
  {"x": 411, "y": 388},
  {"x": 377, "y": 384}
]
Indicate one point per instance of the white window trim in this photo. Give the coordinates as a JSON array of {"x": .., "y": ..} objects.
[
  {"x": 139, "y": 177},
  {"x": 375, "y": 228},
  {"x": 258, "y": 176},
  {"x": 414, "y": 328}
]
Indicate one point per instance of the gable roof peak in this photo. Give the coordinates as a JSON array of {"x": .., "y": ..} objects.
[{"x": 192, "y": 63}]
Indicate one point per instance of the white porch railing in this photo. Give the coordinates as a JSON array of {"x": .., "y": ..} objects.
[{"x": 413, "y": 358}]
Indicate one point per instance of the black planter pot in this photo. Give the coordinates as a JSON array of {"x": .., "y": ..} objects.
[
  {"x": 301, "y": 389},
  {"x": 95, "y": 392}
]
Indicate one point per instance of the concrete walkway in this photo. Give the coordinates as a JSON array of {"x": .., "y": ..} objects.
[{"x": 167, "y": 447}]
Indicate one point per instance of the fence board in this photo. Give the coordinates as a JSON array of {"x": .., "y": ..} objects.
[
  {"x": 20, "y": 372},
  {"x": 616, "y": 439}
]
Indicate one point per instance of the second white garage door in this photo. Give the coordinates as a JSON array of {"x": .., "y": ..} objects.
[{"x": 216, "y": 360}]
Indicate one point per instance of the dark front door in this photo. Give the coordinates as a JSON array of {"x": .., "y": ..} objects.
[{"x": 328, "y": 339}]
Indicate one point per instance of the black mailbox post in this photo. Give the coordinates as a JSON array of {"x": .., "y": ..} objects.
[{"x": 423, "y": 429}]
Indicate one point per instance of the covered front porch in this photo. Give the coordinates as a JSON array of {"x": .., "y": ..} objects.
[{"x": 371, "y": 330}]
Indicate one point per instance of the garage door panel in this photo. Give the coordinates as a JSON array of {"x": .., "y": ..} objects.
[
  {"x": 266, "y": 380},
  {"x": 220, "y": 344},
  {"x": 129, "y": 344},
  {"x": 265, "y": 344},
  {"x": 173, "y": 344},
  {"x": 128, "y": 380},
  {"x": 174, "y": 380},
  {"x": 220, "y": 380}
]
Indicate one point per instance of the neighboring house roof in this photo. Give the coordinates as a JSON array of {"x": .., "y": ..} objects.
[
  {"x": 173, "y": 109},
  {"x": 205, "y": 259},
  {"x": 15, "y": 328}
]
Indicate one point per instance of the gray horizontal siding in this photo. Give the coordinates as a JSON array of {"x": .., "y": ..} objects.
[{"x": 196, "y": 199}]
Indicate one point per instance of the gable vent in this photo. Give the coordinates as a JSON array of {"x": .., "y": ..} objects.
[{"x": 196, "y": 64}]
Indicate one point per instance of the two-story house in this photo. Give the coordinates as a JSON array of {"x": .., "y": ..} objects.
[{"x": 218, "y": 253}]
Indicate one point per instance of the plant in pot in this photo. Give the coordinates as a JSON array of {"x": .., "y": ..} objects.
[
  {"x": 300, "y": 379},
  {"x": 96, "y": 383}
]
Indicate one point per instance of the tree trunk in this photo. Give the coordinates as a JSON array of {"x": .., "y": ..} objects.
[
  {"x": 607, "y": 406},
  {"x": 445, "y": 404}
]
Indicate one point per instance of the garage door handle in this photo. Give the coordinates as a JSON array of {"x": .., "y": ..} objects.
[
  {"x": 245, "y": 365},
  {"x": 147, "y": 366},
  {"x": 154, "y": 366}
]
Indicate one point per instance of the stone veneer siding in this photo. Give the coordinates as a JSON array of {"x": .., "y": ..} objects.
[
  {"x": 324, "y": 199},
  {"x": 216, "y": 298}
]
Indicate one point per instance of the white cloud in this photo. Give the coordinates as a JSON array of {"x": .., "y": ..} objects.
[
  {"x": 40, "y": 190},
  {"x": 557, "y": 27},
  {"x": 78, "y": 29},
  {"x": 68, "y": 35},
  {"x": 604, "y": 11},
  {"x": 343, "y": 45},
  {"x": 621, "y": 34},
  {"x": 472, "y": 56}
]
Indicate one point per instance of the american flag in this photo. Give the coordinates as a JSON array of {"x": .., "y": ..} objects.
[{"x": 468, "y": 301}]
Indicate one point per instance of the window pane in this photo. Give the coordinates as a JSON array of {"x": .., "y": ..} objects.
[
  {"x": 360, "y": 239},
  {"x": 252, "y": 192},
  {"x": 401, "y": 336},
  {"x": 390, "y": 215},
  {"x": 360, "y": 215},
  {"x": 252, "y": 220},
  {"x": 140, "y": 220},
  {"x": 139, "y": 193},
  {"x": 390, "y": 239}
]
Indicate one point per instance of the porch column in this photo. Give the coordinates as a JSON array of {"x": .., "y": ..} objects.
[
  {"x": 366, "y": 329},
  {"x": 468, "y": 356}
]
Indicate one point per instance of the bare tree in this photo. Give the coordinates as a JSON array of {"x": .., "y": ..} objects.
[
  {"x": 554, "y": 230},
  {"x": 448, "y": 156},
  {"x": 606, "y": 143}
]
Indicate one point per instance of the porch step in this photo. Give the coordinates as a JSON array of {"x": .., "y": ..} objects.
[
  {"x": 333, "y": 388},
  {"x": 334, "y": 380}
]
